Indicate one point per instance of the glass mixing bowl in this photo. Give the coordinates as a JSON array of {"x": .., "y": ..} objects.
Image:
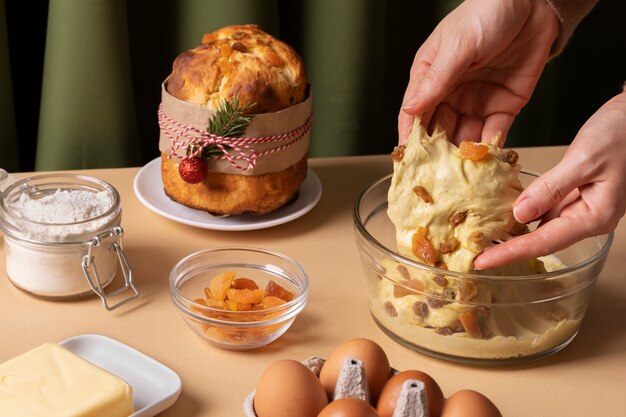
[{"x": 471, "y": 318}]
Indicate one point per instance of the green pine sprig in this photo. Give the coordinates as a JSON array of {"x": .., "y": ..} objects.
[{"x": 230, "y": 120}]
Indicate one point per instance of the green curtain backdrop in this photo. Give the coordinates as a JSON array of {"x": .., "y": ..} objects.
[{"x": 80, "y": 79}]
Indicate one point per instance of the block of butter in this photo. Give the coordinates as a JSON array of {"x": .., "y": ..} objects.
[{"x": 52, "y": 381}]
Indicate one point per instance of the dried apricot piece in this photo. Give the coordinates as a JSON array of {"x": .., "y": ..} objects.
[
  {"x": 274, "y": 290},
  {"x": 245, "y": 295},
  {"x": 213, "y": 303},
  {"x": 235, "y": 306},
  {"x": 225, "y": 50},
  {"x": 422, "y": 193},
  {"x": 473, "y": 151},
  {"x": 220, "y": 284},
  {"x": 422, "y": 248},
  {"x": 471, "y": 324},
  {"x": 244, "y": 283},
  {"x": 272, "y": 301},
  {"x": 407, "y": 287}
]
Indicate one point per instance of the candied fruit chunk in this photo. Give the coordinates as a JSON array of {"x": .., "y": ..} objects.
[
  {"x": 407, "y": 287},
  {"x": 423, "y": 194},
  {"x": 213, "y": 303},
  {"x": 467, "y": 290},
  {"x": 440, "y": 280},
  {"x": 434, "y": 302},
  {"x": 403, "y": 270},
  {"x": 510, "y": 157},
  {"x": 220, "y": 284},
  {"x": 470, "y": 323},
  {"x": 458, "y": 218},
  {"x": 473, "y": 151},
  {"x": 420, "y": 309},
  {"x": 235, "y": 306},
  {"x": 422, "y": 248},
  {"x": 245, "y": 295},
  {"x": 449, "y": 245},
  {"x": 271, "y": 301},
  {"x": 390, "y": 309},
  {"x": 475, "y": 237},
  {"x": 244, "y": 283},
  {"x": 225, "y": 50},
  {"x": 398, "y": 153},
  {"x": 274, "y": 290}
]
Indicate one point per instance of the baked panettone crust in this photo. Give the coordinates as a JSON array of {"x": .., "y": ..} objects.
[
  {"x": 233, "y": 194},
  {"x": 261, "y": 70},
  {"x": 266, "y": 75}
]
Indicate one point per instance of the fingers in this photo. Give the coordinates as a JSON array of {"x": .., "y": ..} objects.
[
  {"x": 545, "y": 193},
  {"x": 547, "y": 239},
  {"x": 435, "y": 71}
]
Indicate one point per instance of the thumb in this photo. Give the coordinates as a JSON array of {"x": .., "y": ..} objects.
[{"x": 544, "y": 193}]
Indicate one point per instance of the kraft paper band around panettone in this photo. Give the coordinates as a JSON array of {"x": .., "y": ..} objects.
[{"x": 177, "y": 116}]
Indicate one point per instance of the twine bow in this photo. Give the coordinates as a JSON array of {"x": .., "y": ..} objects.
[{"x": 233, "y": 149}]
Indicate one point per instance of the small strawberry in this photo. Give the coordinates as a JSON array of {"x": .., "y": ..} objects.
[{"x": 193, "y": 170}]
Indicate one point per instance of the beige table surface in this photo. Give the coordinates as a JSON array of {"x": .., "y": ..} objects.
[{"x": 588, "y": 378}]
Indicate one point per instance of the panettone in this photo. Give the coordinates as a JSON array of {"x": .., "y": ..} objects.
[{"x": 265, "y": 75}]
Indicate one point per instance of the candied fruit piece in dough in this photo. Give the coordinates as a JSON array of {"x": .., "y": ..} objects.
[
  {"x": 473, "y": 151},
  {"x": 470, "y": 323},
  {"x": 422, "y": 248},
  {"x": 407, "y": 287},
  {"x": 422, "y": 193},
  {"x": 398, "y": 153},
  {"x": 275, "y": 290},
  {"x": 220, "y": 284}
]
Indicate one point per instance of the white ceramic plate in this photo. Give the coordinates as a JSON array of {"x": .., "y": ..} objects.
[
  {"x": 149, "y": 190},
  {"x": 155, "y": 386}
]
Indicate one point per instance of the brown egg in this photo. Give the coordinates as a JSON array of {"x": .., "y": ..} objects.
[
  {"x": 391, "y": 391},
  {"x": 375, "y": 362},
  {"x": 348, "y": 407},
  {"x": 287, "y": 388},
  {"x": 468, "y": 403}
]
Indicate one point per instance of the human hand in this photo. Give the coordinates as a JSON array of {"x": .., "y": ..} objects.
[
  {"x": 478, "y": 68},
  {"x": 582, "y": 196}
]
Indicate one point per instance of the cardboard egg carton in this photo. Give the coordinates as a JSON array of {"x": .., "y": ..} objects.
[{"x": 352, "y": 383}]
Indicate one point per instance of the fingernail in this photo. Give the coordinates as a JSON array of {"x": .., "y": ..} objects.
[
  {"x": 525, "y": 210},
  {"x": 410, "y": 102}
]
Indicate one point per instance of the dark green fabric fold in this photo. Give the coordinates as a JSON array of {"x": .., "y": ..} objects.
[{"x": 87, "y": 112}]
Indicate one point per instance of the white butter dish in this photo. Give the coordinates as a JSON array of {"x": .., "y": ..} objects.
[{"x": 155, "y": 386}]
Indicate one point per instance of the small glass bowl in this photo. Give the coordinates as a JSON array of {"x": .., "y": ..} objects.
[
  {"x": 237, "y": 330},
  {"x": 512, "y": 319}
]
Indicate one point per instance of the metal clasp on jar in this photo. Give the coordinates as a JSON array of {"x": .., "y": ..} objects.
[{"x": 89, "y": 264}]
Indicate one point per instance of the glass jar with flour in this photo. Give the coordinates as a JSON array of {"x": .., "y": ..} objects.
[{"x": 63, "y": 239}]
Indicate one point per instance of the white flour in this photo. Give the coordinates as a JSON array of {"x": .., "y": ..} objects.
[
  {"x": 60, "y": 223},
  {"x": 64, "y": 206}
]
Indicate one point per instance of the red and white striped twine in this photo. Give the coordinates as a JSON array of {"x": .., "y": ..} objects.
[{"x": 182, "y": 135}]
